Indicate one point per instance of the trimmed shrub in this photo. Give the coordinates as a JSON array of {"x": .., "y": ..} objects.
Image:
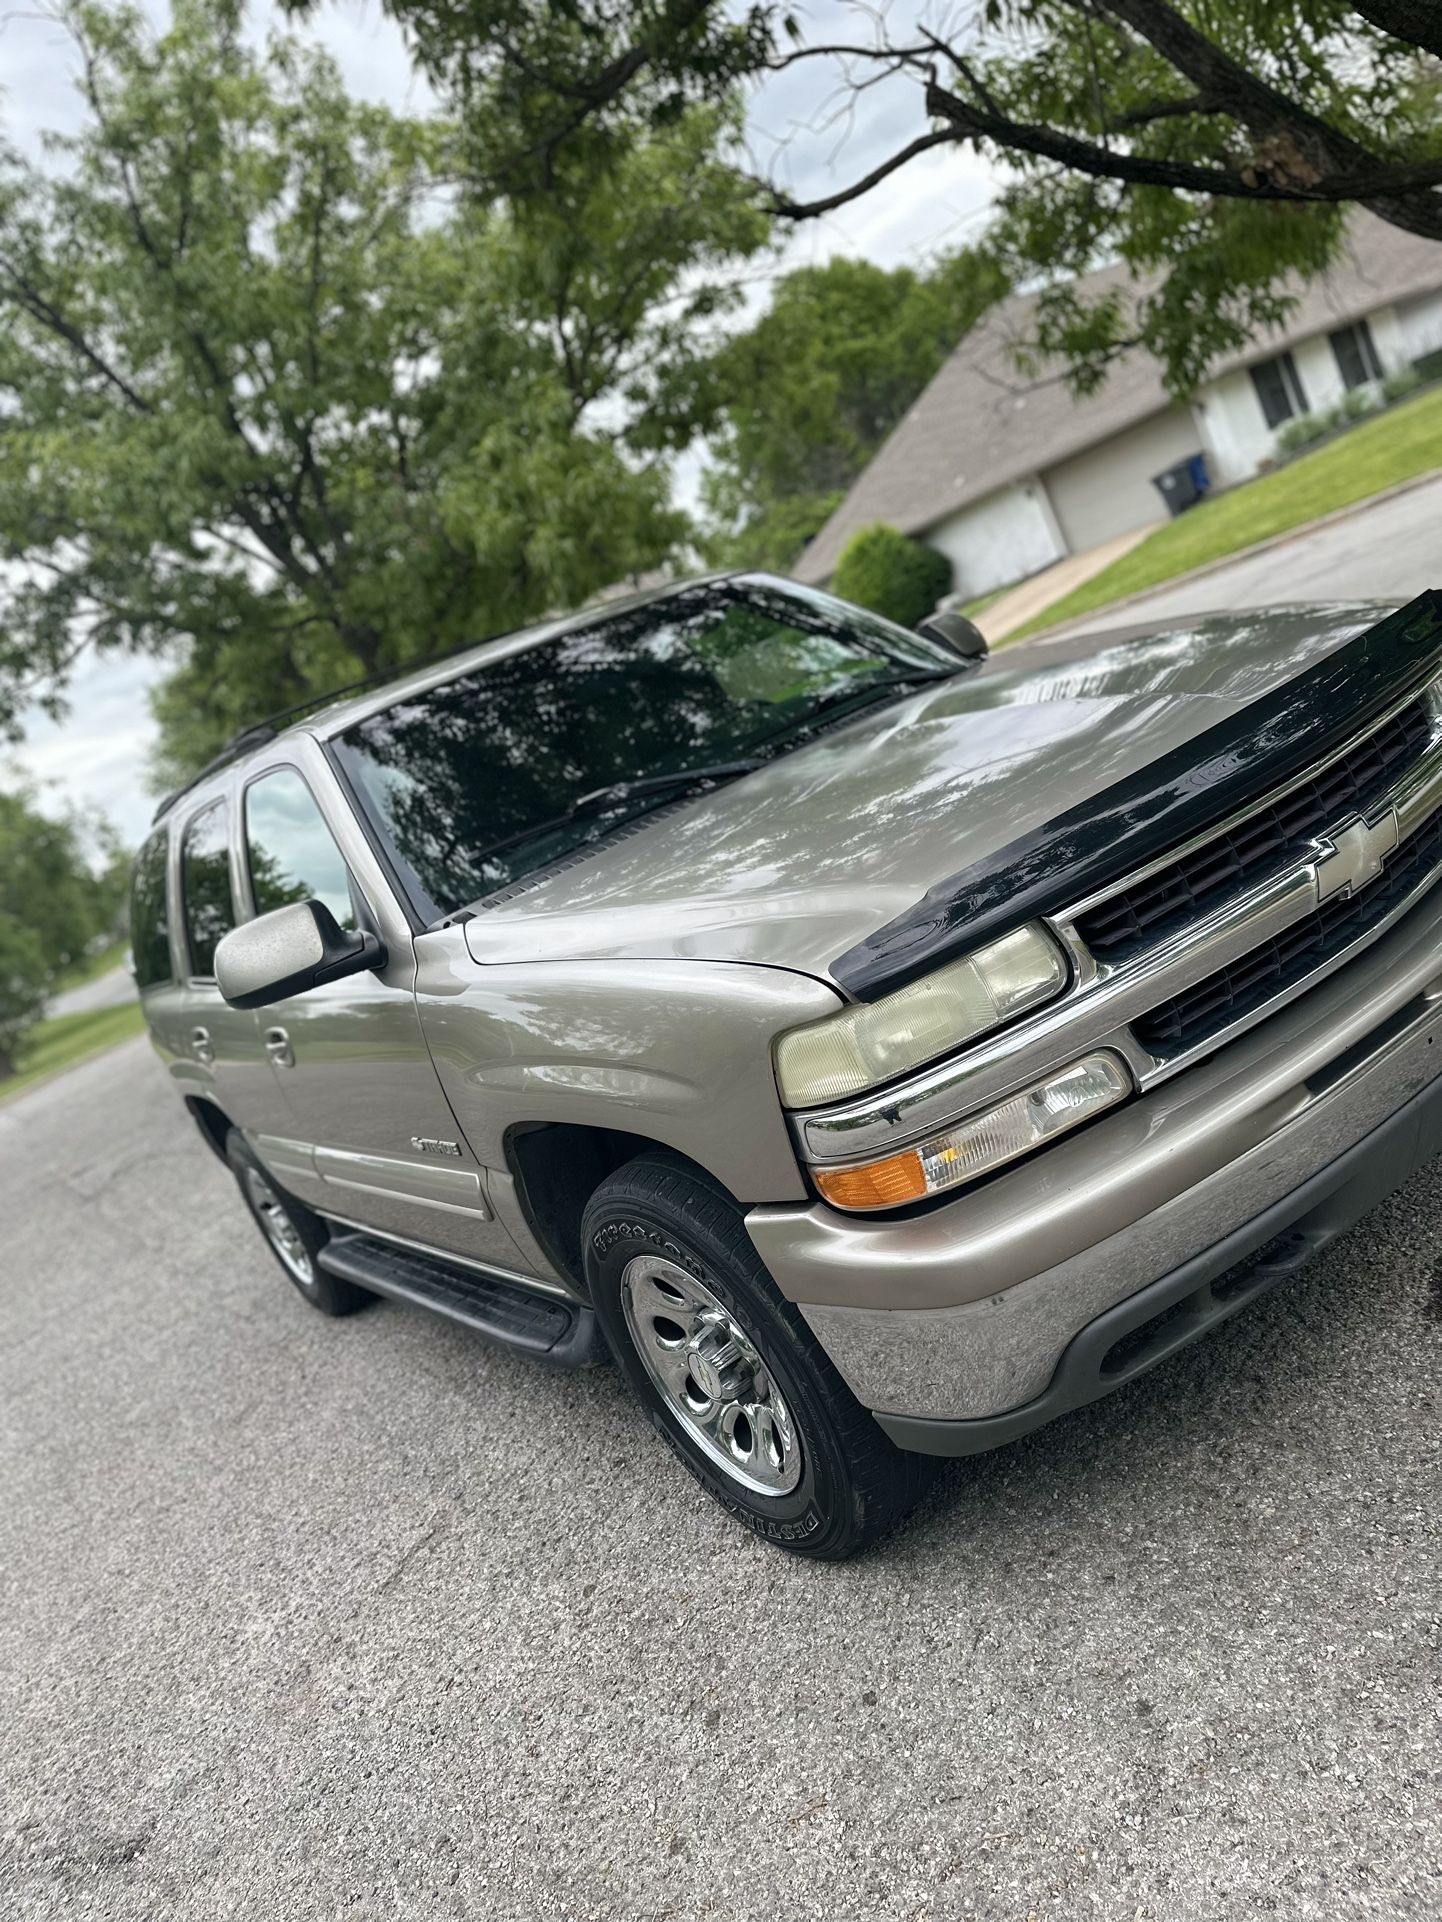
[
  {"x": 1302, "y": 431},
  {"x": 900, "y": 578},
  {"x": 1358, "y": 402},
  {"x": 1405, "y": 381}
]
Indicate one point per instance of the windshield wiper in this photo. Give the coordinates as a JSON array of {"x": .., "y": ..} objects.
[
  {"x": 681, "y": 780},
  {"x": 618, "y": 793}
]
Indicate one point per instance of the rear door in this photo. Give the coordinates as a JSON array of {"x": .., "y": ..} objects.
[
  {"x": 222, "y": 1044},
  {"x": 153, "y": 963},
  {"x": 366, "y": 1110}
]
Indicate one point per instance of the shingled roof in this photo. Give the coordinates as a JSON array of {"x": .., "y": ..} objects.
[{"x": 980, "y": 424}]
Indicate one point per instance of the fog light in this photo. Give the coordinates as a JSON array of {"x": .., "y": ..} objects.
[{"x": 1037, "y": 1115}]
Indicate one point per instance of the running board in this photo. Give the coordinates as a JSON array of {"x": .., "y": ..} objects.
[{"x": 548, "y": 1329}]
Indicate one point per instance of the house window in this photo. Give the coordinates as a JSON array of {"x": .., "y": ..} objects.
[
  {"x": 1279, "y": 389},
  {"x": 1356, "y": 353}
]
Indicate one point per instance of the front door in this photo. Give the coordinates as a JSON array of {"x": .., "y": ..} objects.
[{"x": 366, "y": 1112}]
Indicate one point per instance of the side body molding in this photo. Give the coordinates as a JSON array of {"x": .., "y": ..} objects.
[{"x": 422, "y": 1182}]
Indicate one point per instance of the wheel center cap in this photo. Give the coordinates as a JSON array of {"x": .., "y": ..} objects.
[{"x": 718, "y": 1366}]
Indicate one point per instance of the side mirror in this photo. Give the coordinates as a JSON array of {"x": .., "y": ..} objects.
[
  {"x": 956, "y": 634},
  {"x": 287, "y": 951}
]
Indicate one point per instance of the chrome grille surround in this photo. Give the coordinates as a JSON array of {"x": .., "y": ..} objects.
[{"x": 1106, "y": 998}]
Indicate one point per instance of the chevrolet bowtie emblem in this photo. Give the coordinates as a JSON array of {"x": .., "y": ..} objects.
[{"x": 1356, "y": 855}]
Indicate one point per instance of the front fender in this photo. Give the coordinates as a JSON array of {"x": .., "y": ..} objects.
[{"x": 676, "y": 1051}]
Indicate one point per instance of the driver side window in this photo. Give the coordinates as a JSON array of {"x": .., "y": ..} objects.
[{"x": 292, "y": 854}]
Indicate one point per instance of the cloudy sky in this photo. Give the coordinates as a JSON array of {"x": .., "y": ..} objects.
[{"x": 96, "y": 755}]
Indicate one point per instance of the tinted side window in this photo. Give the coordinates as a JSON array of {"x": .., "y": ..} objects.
[
  {"x": 205, "y": 885},
  {"x": 293, "y": 856},
  {"x": 149, "y": 922}
]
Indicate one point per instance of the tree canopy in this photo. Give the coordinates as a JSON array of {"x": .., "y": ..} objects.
[
  {"x": 802, "y": 399},
  {"x": 1216, "y": 144},
  {"x": 53, "y": 906},
  {"x": 280, "y": 398}
]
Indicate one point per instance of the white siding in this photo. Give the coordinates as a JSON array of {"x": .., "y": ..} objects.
[
  {"x": 1321, "y": 377},
  {"x": 1108, "y": 490},
  {"x": 1420, "y": 324},
  {"x": 1238, "y": 440},
  {"x": 1389, "y": 339},
  {"x": 1001, "y": 539},
  {"x": 1234, "y": 432}
]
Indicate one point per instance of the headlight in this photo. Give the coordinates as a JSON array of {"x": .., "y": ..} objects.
[
  {"x": 1036, "y": 1115},
  {"x": 864, "y": 1045}
]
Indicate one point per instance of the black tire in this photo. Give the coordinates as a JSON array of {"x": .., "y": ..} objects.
[
  {"x": 854, "y": 1483},
  {"x": 260, "y": 1191}
]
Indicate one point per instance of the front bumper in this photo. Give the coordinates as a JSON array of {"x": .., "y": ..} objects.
[{"x": 964, "y": 1326}]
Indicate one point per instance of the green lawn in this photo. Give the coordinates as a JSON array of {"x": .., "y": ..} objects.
[
  {"x": 982, "y": 602},
  {"x": 91, "y": 968},
  {"x": 1395, "y": 446},
  {"x": 60, "y": 1043}
]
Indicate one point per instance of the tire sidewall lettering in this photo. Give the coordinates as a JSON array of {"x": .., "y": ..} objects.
[{"x": 631, "y": 1236}]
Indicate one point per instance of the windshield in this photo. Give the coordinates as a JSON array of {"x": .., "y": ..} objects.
[{"x": 471, "y": 780}]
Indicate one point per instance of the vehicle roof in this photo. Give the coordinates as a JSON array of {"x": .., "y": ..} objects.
[{"x": 325, "y": 718}]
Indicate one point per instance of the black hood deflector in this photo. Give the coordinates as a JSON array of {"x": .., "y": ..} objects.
[{"x": 1280, "y": 734}]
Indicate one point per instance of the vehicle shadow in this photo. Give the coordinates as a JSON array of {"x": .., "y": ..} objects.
[{"x": 1282, "y": 1378}]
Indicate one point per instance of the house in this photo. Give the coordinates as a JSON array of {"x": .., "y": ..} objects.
[{"x": 1006, "y": 474}]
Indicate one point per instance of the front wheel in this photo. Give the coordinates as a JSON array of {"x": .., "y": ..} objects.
[
  {"x": 294, "y": 1235},
  {"x": 728, "y": 1370}
]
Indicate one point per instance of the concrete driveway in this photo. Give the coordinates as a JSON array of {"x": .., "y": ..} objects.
[
  {"x": 308, "y": 1620},
  {"x": 1388, "y": 550}
]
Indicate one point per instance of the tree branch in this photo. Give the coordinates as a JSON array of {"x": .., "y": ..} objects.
[
  {"x": 789, "y": 209},
  {"x": 1195, "y": 103},
  {"x": 28, "y": 296},
  {"x": 1415, "y": 21}
]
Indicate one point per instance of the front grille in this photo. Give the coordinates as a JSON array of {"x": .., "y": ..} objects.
[
  {"x": 1193, "y": 1017},
  {"x": 1261, "y": 845}
]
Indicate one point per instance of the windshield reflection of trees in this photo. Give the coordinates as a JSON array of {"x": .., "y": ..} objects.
[
  {"x": 898, "y": 800},
  {"x": 704, "y": 676}
]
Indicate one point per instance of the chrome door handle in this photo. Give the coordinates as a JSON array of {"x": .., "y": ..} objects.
[
  {"x": 201, "y": 1045},
  {"x": 277, "y": 1046}
]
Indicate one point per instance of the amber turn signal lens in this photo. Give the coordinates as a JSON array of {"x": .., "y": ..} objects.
[
  {"x": 1036, "y": 1115},
  {"x": 880, "y": 1184}
]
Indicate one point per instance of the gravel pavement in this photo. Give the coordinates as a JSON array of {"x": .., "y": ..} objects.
[{"x": 303, "y": 1619}]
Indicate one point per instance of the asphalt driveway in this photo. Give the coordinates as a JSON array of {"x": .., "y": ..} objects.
[
  {"x": 1389, "y": 549},
  {"x": 347, "y": 1620}
]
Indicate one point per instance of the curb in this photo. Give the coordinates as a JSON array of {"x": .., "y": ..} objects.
[{"x": 1209, "y": 568}]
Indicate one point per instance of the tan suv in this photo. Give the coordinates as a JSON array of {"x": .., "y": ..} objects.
[{"x": 877, "y": 1048}]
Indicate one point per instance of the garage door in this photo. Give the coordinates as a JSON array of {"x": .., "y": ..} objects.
[{"x": 1108, "y": 490}]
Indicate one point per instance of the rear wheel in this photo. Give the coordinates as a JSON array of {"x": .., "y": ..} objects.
[
  {"x": 293, "y": 1233},
  {"x": 728, "y": 1370}
]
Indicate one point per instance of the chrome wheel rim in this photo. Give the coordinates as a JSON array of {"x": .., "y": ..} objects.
[
  {"x": 278, "y": 1228},
  {"x": 711, "y": 1375}
]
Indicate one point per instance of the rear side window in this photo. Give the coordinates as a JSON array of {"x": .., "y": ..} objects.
[
  {"x": 149, "y": 922},
  {"x": 293, "y": 855},
  {"x": 205, "y": 885}
]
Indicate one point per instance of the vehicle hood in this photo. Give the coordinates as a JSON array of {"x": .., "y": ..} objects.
[{"x": 792, "y": 865}]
